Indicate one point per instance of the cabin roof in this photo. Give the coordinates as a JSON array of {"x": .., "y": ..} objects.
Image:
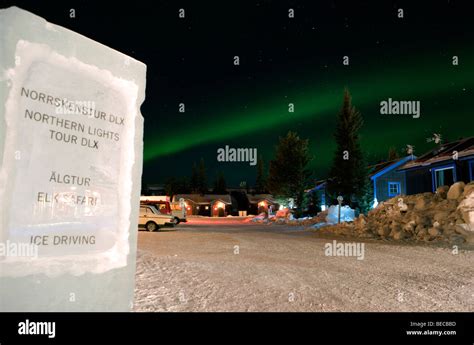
[
  {"x": 444, "y": 152},
  {"x": 385, "y": 167},
  {"x": 256, "y": 198},
  {"x": 205, "y": 199}
]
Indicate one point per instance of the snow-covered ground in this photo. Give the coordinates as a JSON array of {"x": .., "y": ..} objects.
[{"x": 242, "y": 266}]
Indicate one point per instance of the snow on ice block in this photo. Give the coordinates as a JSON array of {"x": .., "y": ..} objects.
[
  {"x": 70, "y": 168},
  {"x": 347, "y": 214}
]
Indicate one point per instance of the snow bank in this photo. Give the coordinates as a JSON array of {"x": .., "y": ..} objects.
[
  {"x": 347, "y": 214},
  {"x": 260, "y": 217}
]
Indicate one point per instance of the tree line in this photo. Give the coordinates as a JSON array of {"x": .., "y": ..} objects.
[
  {"x": 289, "y": 176},
  {"x": 197, "y": 182}
]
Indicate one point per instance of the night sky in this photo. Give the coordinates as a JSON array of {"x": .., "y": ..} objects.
[{"x": 284, "y": 60}]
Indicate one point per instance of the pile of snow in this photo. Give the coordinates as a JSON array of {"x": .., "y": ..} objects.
[
  {"x": 447, "y": 215},
  {"x": 262, "y": 216},
  {"x": 320, "y": 225},
  {"x": 303, "y": 218},
  {"x": 347, "y": 214}
]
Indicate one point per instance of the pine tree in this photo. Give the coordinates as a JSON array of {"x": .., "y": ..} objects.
[
  {"x": 260, "y": 182},
  {"x": 366, "y": 196},
  {"x": 288, "y": 173},
  {"x": 220, "y": 186},
  {"x": 349, "y": 174},
  {"x": 202, "y": 178}
]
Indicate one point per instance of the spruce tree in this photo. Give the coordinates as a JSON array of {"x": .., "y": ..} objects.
[
  {"x": 349, "y": 175},
  {"x": 288, "y": 171}
]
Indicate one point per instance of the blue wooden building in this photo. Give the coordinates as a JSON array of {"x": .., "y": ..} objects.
[
  {"x": 387, "y": 180},
  {"x": 442, "y": 166}
]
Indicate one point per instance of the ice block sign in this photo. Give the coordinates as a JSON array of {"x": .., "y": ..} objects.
[{"x": 70, "y": 149}]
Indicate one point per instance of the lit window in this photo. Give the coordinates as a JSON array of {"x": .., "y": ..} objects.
[
  {"x": 393, "y": 188},
  {"x": 444, "y": 176}
]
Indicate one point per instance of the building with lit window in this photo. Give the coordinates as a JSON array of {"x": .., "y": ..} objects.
[
  {"x": 211, "y": 205},
  {"x": 261, "y": 203},
  {"x": 387, "y": 180},
  {"x": 444, "y": 165}
]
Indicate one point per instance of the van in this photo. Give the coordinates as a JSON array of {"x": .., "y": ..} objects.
[{"x": 178, "y": 210}]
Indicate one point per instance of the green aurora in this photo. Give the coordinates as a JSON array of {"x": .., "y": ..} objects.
[{"x": 431, "y": 81}]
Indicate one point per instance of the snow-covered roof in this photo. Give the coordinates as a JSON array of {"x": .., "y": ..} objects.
[
  {"x": 384, "y": 167},
  {"x": 205, "y": 199},
  {"x": 443, "y": 152},
  {"x": 318, "y": 185},
  {"x": 256, "y": 198}
]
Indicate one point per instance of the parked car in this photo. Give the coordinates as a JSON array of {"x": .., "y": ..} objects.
[
  {"x": 152, "y": 220},
  {"x": 175, "y": 209}
]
